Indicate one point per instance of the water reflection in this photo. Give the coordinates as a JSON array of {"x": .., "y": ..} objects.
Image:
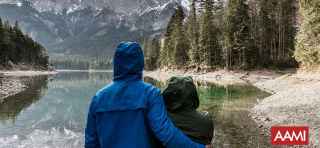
[
  {"x": 52, "y": 117},
  {"x": 230, "y": 106},
  {"x": 53, "y": 113},
  {"x": 12, "y": 106}
]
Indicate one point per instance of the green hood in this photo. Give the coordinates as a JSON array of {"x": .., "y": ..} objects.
[{"x": 181, "y": 94}]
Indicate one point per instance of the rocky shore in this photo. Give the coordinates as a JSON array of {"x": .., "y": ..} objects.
[
  {"x": 220, "y": 77},
  {"x": 11, "y": 81},
  {"x": 295, "y": 100},
  {"x": 10, "y": 86}
]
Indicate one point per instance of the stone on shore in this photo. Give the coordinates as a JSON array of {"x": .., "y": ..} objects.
[{"x": 10, "y": 86}]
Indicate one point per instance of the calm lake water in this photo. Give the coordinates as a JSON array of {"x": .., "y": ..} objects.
[{"x": 51, "y": 113}]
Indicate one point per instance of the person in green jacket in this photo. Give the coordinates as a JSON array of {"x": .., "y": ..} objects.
[{"x": 182, "y": 100}]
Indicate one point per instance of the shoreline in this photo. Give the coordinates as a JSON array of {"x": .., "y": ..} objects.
[
  {"x": 295, "y": 100},
  {"x": 11, "y": 81},
  {"x": 20, "y": 73},
  {"x": 89, "y": 70},
  {"x": 220, "y": 77}
]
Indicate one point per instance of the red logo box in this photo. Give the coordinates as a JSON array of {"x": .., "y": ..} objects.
[{"x": 289, "y": 135}]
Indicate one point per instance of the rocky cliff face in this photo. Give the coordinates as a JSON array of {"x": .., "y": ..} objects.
[
  {"x": 120, "y": 6},
  {"x": 88, "y": 26}
]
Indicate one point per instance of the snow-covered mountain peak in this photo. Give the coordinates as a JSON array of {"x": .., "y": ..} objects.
[
  {"x": 120, "y": 6},
  {"x": 81, "y": 25}
]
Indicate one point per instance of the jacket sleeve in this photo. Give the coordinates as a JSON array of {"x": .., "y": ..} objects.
[
  {"x": 163, "y": 128},
  {"x": 91, "y": 137}
]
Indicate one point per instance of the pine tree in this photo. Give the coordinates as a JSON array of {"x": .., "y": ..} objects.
[
  {"x": 152, "y": 53},
  {"x": 193, "y": 34},
  {"x": 163, "y": 59},
  {"x": 286, "y": 33},
  {"x": 266, "y": 25},
  {"x": 155, "y": 50},
  {"x": 277, "y": 32},
  {"x": 308, "y": 39},
  {"x": 237, "y": 34},
  {"x": 166, "y": 57},
  {"x": 181, "y": 44},
  {"x": 175, "y": 51},
  {"x": 18, "y": 39},
  {"x": 1, "y": 30},
  {"x": 17, "y": 48},
  {"x": 212, "y": 51},
  {"x": 2, "y": 55},
  {"x": 8, "y": 46},
  {"x": 254, "y": 33}
]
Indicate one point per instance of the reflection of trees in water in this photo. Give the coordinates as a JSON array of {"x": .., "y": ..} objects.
[
  {"x": 237, "y": 130},
  {"x": 73, "y": 92},
  {"x": 74, "y": 76},
  {"x": 230, "y": 106},
  {"x": 83, "y": 76},
  {"x": 36, "y": 88}
]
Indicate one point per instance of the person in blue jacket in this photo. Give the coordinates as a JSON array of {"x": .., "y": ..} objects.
[{"x": 128, "y": 112}]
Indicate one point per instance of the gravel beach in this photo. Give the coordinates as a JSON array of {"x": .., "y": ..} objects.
[
  {"x": 295, "y": 101},
  {"x": 220, "y": 77},
  {"x": 11, "y": 82},
  {"x": 10, "y": 86}
]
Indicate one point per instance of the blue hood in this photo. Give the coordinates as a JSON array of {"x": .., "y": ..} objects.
[{"x": 128, "y": 62}]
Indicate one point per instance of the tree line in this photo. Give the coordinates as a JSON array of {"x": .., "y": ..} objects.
[
  {"x": 18, "y": 50},
  {"x": 77, "y": 62},
  {"x": 236, "y": 34}
]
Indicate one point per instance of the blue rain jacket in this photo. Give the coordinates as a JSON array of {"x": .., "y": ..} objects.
[{"x": 128, "y": 112}]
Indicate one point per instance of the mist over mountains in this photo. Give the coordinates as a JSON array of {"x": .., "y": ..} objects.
[{"x": 88, "y": 27}]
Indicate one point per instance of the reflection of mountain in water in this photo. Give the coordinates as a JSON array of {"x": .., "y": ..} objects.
[
  {"x": 80, "y": 79},
  {"x": 58, "y": 118},
  {"x": 85, "y": 76},
  {"x": 15, "y": 104}
]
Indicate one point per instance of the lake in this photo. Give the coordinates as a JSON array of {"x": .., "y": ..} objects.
[{"x": 52, "y": 112}]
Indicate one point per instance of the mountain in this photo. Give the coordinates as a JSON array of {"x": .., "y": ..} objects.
[{"x": 88, "y": 27}]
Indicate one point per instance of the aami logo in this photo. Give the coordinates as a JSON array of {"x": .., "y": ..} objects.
[{"x": 290, "y": 135}]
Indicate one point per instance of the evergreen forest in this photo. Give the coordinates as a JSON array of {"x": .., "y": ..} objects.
[
  {"x": 19, "y": 51},
  {"x": 239, "y": 34}
]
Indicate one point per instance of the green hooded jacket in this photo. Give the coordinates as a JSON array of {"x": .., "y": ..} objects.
[{"x": 182, "y": 100}]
